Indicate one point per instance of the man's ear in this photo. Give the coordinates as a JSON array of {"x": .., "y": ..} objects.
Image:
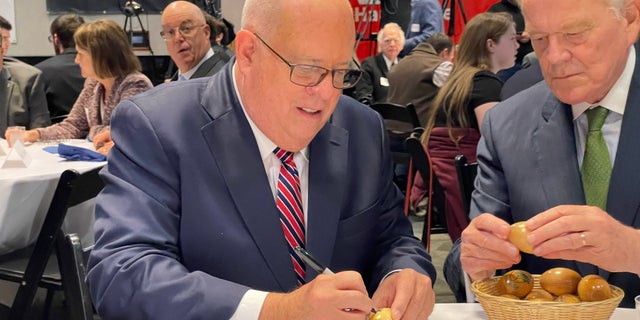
[
  {"x": 245, "y": 49},
  {"x": 631, "y": 13}
]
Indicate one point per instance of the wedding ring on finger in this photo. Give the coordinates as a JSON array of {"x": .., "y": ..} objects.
[{"x": 583, "y": 237}]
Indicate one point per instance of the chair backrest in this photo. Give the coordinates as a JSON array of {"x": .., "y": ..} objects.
[
  {"x": 435, "y": 219},
  {"x": 466, "y": 178},
  {"x": 73, "y": 188},
  {"x": 397, "y": 112},
  {"x": 73, "y": 271}
]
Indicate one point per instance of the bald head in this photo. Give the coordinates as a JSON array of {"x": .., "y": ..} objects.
[
  {"x": 267, "y": 16},
  {"x": 183, "y": 9},
  {"x": 186, "y": 34}
]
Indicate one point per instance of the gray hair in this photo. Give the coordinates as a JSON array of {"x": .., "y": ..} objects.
[{"x": 389, "y": 26}]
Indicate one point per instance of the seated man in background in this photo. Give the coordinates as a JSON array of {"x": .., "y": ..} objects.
[
  {"x": 213, "y": 183},
  {"x": 373, "y": 85},
  {"x": 60, "y": 74},
  {"x": 418, "y": 76},
  {"x": 22, "y": 98},
  {"x": 187, "y": 36}
]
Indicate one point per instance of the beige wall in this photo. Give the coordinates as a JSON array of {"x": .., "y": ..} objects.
[{"x": 32, "y": 27}]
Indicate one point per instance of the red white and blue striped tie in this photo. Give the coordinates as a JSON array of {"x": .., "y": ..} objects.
[{"x": 289, "y": 203}]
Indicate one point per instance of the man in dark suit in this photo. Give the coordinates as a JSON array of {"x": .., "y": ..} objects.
[
  {"x": 22, "y": 99},
  {"x": 373, "y": 85},
  {"x": 537, "y": 149},
  {"x": 190, "y": 225},
  {"x": 60, "y": 74},
  {"x": 186, "y": 34}
]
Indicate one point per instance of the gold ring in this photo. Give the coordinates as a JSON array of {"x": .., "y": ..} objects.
[{"x": 584, "y": 239}]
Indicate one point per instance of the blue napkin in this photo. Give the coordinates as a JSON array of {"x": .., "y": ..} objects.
[{"x": 75, "y": 153}]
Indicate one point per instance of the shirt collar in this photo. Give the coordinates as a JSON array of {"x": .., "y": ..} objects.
[
  {"x": 389, "y": 62},
  {"x": 616, "y": 98},
  {"x": 193, "y": 70},
  {"x": 265, "y": 145}
]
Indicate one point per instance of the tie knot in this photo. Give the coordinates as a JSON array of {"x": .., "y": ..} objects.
[
  {"x": 284, "y": 155},
  {"x": 596, "y": 117}
]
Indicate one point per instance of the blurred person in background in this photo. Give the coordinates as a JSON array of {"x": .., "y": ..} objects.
[
  {"x": 426, "y": 19},
  {"x": 488, "y": 44},
  {"x": 113, "y": 74},
  {"x": 62, "y": 78},
  {"x": 22, "y": 98},
  {"x": 373, "y": 85}
]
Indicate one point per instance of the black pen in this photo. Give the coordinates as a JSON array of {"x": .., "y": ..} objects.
[{"x": 315, "y": 265}]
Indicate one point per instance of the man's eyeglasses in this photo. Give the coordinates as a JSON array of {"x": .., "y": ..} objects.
[
  {"x": 50, "y": 38},
  {"x": 185, "y": 30},
  {"x": 307, "y": 75}
]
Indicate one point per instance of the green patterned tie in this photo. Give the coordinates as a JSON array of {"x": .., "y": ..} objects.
[{"x": 596, "y": 166}]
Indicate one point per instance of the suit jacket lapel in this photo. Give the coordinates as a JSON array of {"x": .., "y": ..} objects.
[
  {"x": 230, "y": 141},
  {"x": 382, "y": 65},
  {"x": 555, "y": 147},
  {"x": 327, "y": 169}
]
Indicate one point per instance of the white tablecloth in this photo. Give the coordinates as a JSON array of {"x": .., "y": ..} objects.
[
  {"x": 473, "y": 311},
  {"x": 25, "y": 195}
]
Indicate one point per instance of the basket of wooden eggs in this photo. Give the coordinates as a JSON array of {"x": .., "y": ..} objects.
[{"x": 557, "y": 294}]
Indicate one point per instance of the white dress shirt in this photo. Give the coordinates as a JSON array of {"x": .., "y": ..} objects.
[{"x": 252, "y": 301}]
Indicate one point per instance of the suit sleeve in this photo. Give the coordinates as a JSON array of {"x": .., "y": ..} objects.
[
  {"x": 135, "y": 269},
  {"x": 37, "y": 101}
]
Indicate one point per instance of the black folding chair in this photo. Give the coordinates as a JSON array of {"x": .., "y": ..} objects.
[
  {"x": 466, "y": 177},
  {"x": 408, "y": 118},
  {"x": 435, "y": 220},
  {"x": 46, "y": 263}
]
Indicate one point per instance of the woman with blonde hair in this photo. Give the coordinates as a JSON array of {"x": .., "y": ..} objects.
[
  {"x": 488, "y": 44},
  {"x": 112, "y": 73}
]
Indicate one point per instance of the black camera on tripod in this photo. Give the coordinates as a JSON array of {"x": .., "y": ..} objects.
[{"x": 139, "y": 39}]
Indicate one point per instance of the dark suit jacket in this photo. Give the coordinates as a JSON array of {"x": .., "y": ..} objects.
[
  {"x": 208, "y": 68},
  {"x": 62, "y": 80},
  {"x": 373, "y": 85},
  {"x": 187, "y": 222},
  {"x": 22, "y": 99},
  {"x": 522, "y": 80},
  {"x": 527, "y": 164}
]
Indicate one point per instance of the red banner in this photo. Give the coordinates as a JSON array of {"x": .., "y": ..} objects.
[
  {"x": 366, "y": 14},
  {"x": 463, "y": 9}
]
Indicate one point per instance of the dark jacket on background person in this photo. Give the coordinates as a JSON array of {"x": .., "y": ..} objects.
[
  {"x": 373, "y": 85},
  {"x": 62, "y": 80}
]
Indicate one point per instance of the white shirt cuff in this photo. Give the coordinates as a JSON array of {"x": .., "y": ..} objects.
[{"x": 250, "y": 305}]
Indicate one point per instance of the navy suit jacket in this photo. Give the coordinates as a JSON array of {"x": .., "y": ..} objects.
[
  {"x": 187, "y": 222},
  {"x": 528, "y": 164}
]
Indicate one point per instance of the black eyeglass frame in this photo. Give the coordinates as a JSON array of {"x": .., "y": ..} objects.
[{"x": 357, "y": 73}]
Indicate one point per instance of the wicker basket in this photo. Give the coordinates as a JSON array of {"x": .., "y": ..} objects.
[{"x": 499, "y": 308}]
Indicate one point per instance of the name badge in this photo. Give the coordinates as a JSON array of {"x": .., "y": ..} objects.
[
  {"x": 415, "y": 27},
  {"x": 384, "y": 82}
]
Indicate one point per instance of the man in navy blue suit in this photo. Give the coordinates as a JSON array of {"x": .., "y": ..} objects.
[
  {"x": 535, "y": 145},
  {"x": 187, "y": 225}
]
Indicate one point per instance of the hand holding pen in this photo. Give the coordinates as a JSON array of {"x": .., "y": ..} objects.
[{"x": 315, "y": 265}]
